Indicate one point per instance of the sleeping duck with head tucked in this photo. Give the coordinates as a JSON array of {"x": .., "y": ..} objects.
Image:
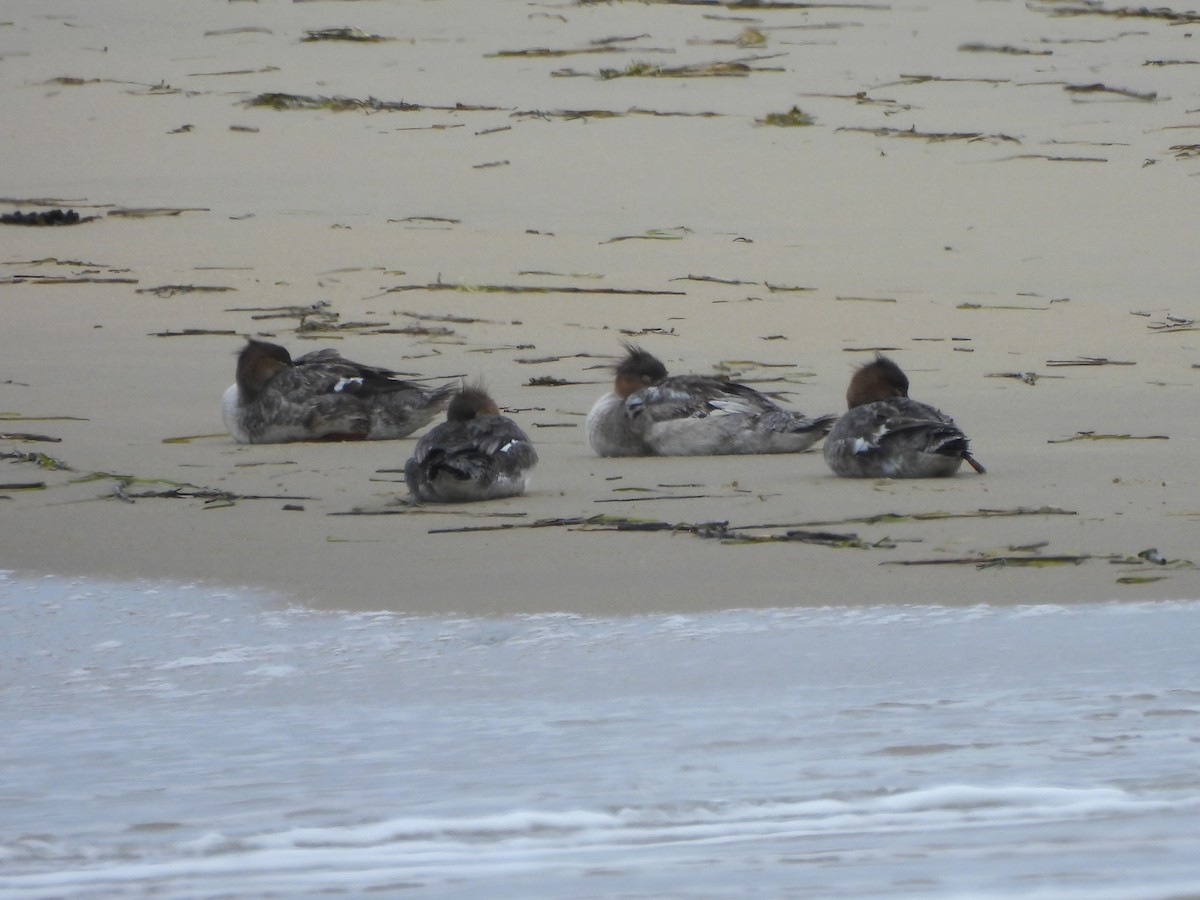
[
  {"x": 322, "y": 397},
  {"x": 885, "y": 434},
  {"x": 476, "y": 454},
  {"x": 649, "y": 413}
]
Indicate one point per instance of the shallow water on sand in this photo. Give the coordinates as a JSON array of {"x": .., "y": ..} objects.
[{"x": 179, "y": 741}]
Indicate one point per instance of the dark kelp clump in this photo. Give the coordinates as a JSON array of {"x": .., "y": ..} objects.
[{"x": 48, "y": 217}]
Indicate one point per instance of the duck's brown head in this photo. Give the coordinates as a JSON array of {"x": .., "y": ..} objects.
[
  {"x": 259, "y": 362},
  {"x": 880, "y": 379},
  {"x": 637, "y": 370},
  {"x": 470, "y": 403}
]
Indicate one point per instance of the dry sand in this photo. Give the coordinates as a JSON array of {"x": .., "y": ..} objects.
[{"x": 981, "y": 213}]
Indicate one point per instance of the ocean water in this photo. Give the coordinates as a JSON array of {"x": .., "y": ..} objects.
[{"x": 176, "y": 741}]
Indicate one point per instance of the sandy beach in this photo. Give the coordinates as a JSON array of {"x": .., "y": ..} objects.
[{"x": 1000, "y": 195}]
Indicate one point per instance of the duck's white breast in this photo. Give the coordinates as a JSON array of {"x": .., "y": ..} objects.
[{"x": 231, "y": 413}]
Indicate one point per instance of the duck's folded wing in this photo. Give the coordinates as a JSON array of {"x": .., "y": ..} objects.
[
  {"x": 694, "y": 396},
  {"x": 502, "y": 440},
  {"x": 910, "y": 423},
  {"x": 326, "y": 371}
]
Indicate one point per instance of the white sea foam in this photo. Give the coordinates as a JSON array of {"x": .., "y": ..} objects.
[{"x": 179, "y": 742}]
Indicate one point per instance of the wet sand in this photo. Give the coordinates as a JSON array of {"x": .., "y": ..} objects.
[{"x": 987, "y": 190}]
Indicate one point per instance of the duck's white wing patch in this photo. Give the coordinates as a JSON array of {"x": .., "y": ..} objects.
[
  {"x": 347, "y": 383},
  {"x": 731, "y": 406}
]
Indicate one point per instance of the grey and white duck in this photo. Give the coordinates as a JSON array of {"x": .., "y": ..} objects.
[
  {"x": 476, "y": 454},
  {"x": 886, "y": 434},
  {"x": 322, "y": 397},
  {"x": 651, "y": 413}
]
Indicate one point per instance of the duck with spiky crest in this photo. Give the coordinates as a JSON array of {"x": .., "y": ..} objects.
[
  {"x": 476, "y": 454},
  {"x": 322, "y": 397},
  {"x": 886, "y": 434},
  {"x": 651, "y": 413}
]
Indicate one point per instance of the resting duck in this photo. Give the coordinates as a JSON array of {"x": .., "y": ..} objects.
[
  {"x": 321, "y": 397},
  {"x": 476, "y": 454},
  {"x": 887, "y": 435},
  {"x": 648, "y": 413}
]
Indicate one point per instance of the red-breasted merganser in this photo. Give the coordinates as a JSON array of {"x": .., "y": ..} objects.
[
  {"x": 476, "y": 454},
  {"x": 886, "y": 435},
  {"x": 648, "y": 413},
  {"x": 322, "y": 397}
]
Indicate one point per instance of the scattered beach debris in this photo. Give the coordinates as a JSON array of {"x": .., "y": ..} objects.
[
  {"x": 188, "y": 438},
  {"x": 933, "y": 136},
  {"x": 46, "y": 217},
  {"x": 548, "y": 53},
  {"x": 37, "y": 458},
  {"x": 63, "y": 279},
  {"x": 1052, "y": 158},
  {"x": 190, "y": 492},
  {"x": 170, "y": 290},
  {"x": 1098, "y": 88},
  {"x": 281, "y": 101},
  {"x": 29, "y": 438},
  {"x": 344, "y": 33},
  {"x": 426, "y": 220},
  {"x": 820, "y": 538},
  {"x": 1095, "y": 8},
  {"x": 607, "y": 113},
  {"x": 793, "y": 118},
  {"x": 1094, "y": 436},
  {"x": 712, "y": 279},
  {"x": 738, "y": 282},
  {"x": 174, "y": 490},
  {"x": 1089, "y": 361},
  {"x": 70, "y": 263},
  {"x": 737, "y": 68},
  {"x": 1029, "y": 378},
  {"x": 552, "y": 359},
  {"x": 194, "y": 332},
  {"x": 912, "y": 79},
  {"x": 454, "y": 319},
  {"x": 986, "y": 561},
  {"x": 766, "y": 5},
  {"x": 1173, "y": 323},
  {"x": 933, "y": 516},
  {"x": 650, "y": 329},
  {"x": 677, "y": 233},
  {"x": 17, "y": 417},
  {"x": 264, "y": 70},
  {"x": 44, "y": 201},
  {"x": 403, "y": 506},
  {"x": 1016, "y": 306},
  {"x": 801, "y": 532},
  {"x": 1152, "y": 557},
  {"x": 154, "y": 212},
  {"x": 528, "y": 289},
  {"x": 1002, "y": 48},
  {"x": 551, "y": 381},
  {"x": 241, "y": 29}
]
